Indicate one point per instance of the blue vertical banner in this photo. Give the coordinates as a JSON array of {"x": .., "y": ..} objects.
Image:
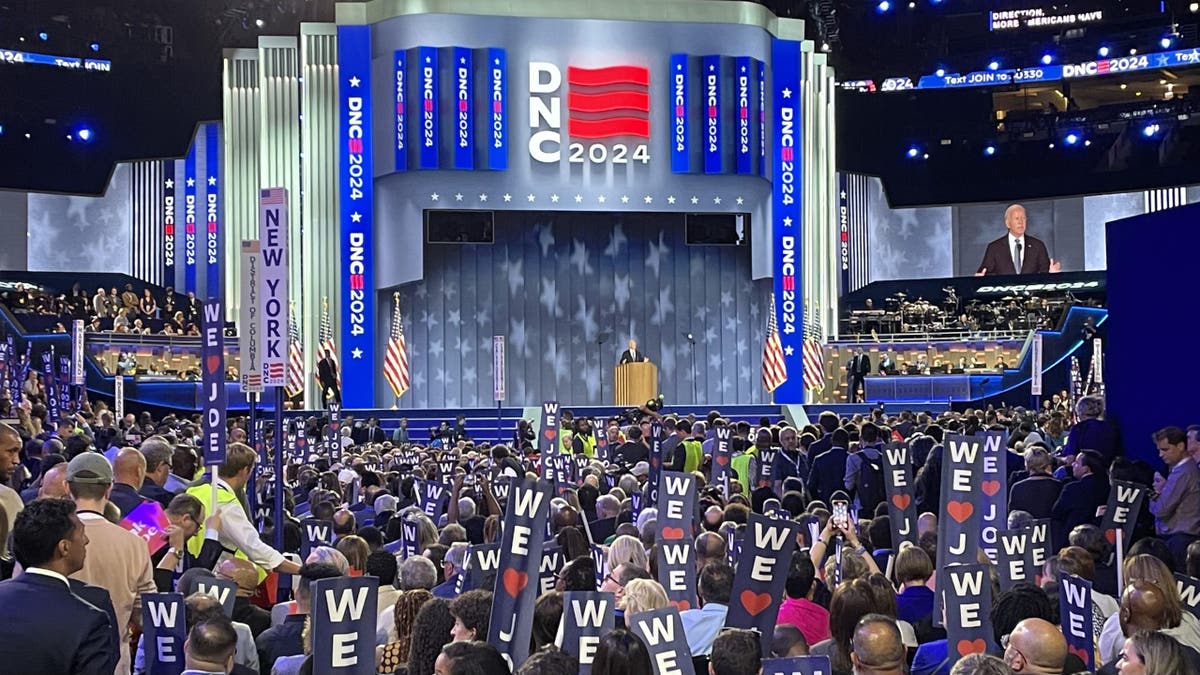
[
  {"x": 844, "y": 232},
  {"x": 189, "y": 221},
  {"x": 743, "y": 142},
  {"x": 212, "y": 210},
  {"x": 168, "y": 222},
  {"x": 498, "y": 121},
  {"x": 427, "y": 59},
  {"x": 212, "y": 378},
  {"x": 711, "y": 76},
  {"x": 357, "y": 187},
  {"x": 785, "y": 214},
  {"x": 762, "y": 119},
  {"x": 464, "y": 108},
  {"x": 400, "y": 82},
  {"x": 681, "y": 151}
]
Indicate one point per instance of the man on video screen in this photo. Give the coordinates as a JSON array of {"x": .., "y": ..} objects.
[{"x": 1016, "y": 252}]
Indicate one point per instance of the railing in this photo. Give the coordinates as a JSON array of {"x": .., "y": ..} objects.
[{"x": 932, "y": 336}]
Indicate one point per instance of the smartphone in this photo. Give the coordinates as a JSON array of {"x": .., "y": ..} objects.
[{"x": 841, "y": 514}]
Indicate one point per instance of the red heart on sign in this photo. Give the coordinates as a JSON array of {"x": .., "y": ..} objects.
[
  {"x": 902, "y": 501},
  {"x": 550, "y": 433},
  {"x": 213, "y": 363},
  {"x": 1111, "y": 536},
  {"x": 755, "y": 602},
  {"x": 514, "y": 581},
  {"x": 960, "y": 511},
  {"x": 991, "y": 487},
  {"x": 977, "y": 646},
  {"x": 1080, "y": 652},
  {"x": 682, "y": 605},
  {"x": 722, "y": 459},
  {"x": 672, "y": 533}
]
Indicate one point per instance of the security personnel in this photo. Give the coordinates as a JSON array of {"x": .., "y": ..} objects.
[{"x": 238, "y": 536}]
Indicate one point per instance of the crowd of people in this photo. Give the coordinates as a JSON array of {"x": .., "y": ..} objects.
[
  {"x": 77, "y": 576},
  {"x": 108, "y": 310}
]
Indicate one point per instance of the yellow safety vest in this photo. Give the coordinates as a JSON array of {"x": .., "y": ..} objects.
[{"x": 224, "y": 496}]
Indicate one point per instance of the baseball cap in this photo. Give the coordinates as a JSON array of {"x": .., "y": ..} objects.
[
  {"x": 641, "y": 469},
  {"x": 90, "y": 468}
]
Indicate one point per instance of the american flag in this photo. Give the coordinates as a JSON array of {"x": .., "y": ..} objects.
[
  {"x": 295, "y": 370},
  {"x": 395, "y": 361},
  {"x": 774, "y": 370},
  {"x": 814, "y": 351},
  {"x": 327, "y": 345}
]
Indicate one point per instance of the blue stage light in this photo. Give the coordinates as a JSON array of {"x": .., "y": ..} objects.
[
  {"x": 95, "y": 46},
  {"x": 1165, "y": 42},
  {"x": 883, "y": 6},
  {"x": 913, "y": 152},
  {"x": 1072, "y": 138},
  {"x": 989, "y": 150},
  {"x": 940, "y": 72},
  {"x": 1151, "y": 130},
  {"x": 1047, "y": 59},
  {"x": 44, "y": 36},
  {"x": 994, "y": 65},
  {"x": 84, "y": 134},
  {"x": 1103, "y": 52}
]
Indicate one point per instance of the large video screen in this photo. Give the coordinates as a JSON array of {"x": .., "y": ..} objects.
[{"x": 948, "y": 241}]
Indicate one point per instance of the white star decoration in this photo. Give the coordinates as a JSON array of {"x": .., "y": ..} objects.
[
  {"x": 191, "y": 182},
  {"x": 356, "y": 217},
  {"x": 624, "y": 199},
  {"x": 554, "y": 198},
  {"x": 507, "y": 197},
  {"x": 578, "y": 199},
  {"x": 740, "y": 200},
  {"x": 531, "y": 198},
  {"x": 671, "y": 199},
  {"x": 787, "y": 93},
  {"x": 483, "y": 198},
  {"x": 354, "y": 81},
  {"x": 648, "y": 199},
  {"x": 458, "y": 197},
  {"x": 212, "y": 180},
  {"x": 787, "y": 221},
  {"x": 843, "y": 194},
  {"x": 434, "y": 196},
  {"x": 356, "y": 353},
  {"x": 716, "y": 200},
  {"x": 695, "y": 199},
  {"x": 600, "y": 199},
  {"x": 788, "y": 350},
  {"x": 170, "y": 183}
]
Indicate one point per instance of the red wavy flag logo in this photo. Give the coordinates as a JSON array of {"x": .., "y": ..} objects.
[{"x": 608, "y": 102}]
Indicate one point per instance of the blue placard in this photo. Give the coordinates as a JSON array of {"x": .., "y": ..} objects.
[
  {"x": 343, "y": 615},
  {"x": 785, "y": 215},
  {"x": 797, "y": 665},
  {"x": 189, "y": 221},
  {"x": 681, "y": 151},
  {"x": 498, "y": 121},
  {"x": 464, "y": 108},
  {"x": 427, "y": 61},
  {"x": 50, "y": 379},
  {"x": 212, "y": 366},
  {"x": 164, "y": 630},
  {"x": 212, "y": 211},
  {"x": 357, "y": 218},
  {"x": 710, "y": 75},
  {"x": 743, "y": 91},
  {"x": 400, "y": 81},
  {"x": 168, "y": 222},
  {"x": 762, "y": 119}
]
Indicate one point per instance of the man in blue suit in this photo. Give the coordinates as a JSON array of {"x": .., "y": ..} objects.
[{"x": 58, "y": 632}]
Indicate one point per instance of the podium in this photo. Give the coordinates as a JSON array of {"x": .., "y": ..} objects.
[{"x": 636, "y": 383}]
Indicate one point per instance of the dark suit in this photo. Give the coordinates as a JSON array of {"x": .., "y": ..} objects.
[
  {"x": 998, "y": 258},
  {"x": 151, "y": 490},
  {"x": 126, "y": 498},
  {"x": 632, "y": 357},
  {"x": 632, "y": 452},
  {"x": 100, "y": 599},
  {"x": 1077, "y": 505},
  {"x": 828, "y": 474},
  {"x": 858, "y": 368},
  {"x": 57, "y": 631},
  {"x": 1036, "y": 494},
  {"x": 327, "y": 378}
]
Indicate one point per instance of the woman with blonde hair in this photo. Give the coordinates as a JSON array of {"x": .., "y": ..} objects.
[
  {"x": 1150, "y": 653},
  {"x": 642, "y": 595},
  {"x": 1177, "y": 623},
  {"x": 393, "y": 656},
  {"x": 627, "y": 550}
]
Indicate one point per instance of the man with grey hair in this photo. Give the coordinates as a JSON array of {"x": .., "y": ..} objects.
[
  {"x": 158, "y": 453},
  {"x": 417, "y": 572},
  {"x": 452, "y": 567},
  {"x": 607, "y": 508},
  {"x": 1016, "y": 252}
]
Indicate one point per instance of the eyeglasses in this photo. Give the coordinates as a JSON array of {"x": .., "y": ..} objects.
[{"x": 610, "y": 577}]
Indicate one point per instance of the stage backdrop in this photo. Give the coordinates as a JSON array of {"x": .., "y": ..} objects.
[{"x": 553, "y": 283}]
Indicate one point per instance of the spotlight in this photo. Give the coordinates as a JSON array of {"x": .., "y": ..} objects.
[
  {"x": 940, "y": 72},
  {"x": 1103, "y": 52},
  {"x": 1072, "y": 139},
  {"x": 1165, "y": 42},
  {"x": 913, "y": 152},
  {"x": 912, "y": 5},
  {"x": 994, "y": 65},
  {"x": 1133, "y": 51},
  {"x": 43, "y": 36},
  {"x": 1194, "y": 7},
  {"x": 95, "y": 46},
  {"x": 1150, "y": 130},
  {"x": 925, "y": 156},
  {"x": 1, "y": 129},
  {"x": 989, "y": 150},
  {"x": 1051, "y": 146},
  {"x": 85, "y": 134},
  {"x": 1047, "y": 59},
  {"x": 260, "y": 23},
  {"x": 883, "y": 7},
  {"x": 825, "y": 47},
  {"x": 1088, "y": 142},
  {"x": 1124, "y": 86}
]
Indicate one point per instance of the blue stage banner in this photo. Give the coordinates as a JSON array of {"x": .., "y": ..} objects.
[
  {"x": 212, "y": 210},
  {"x": 357, "y": 217},
  {"x": 844, "y": 232},
  {"x": 343, "y": 614},
  {"x": 189, "y": 221},
  {"x": 50, "y": 381},
  {"x": 65, "y": 401},
  {"x": 164, "y": 628},
  {"x": 681, "y": 150},
  {"x": 464, "y": 108},
  {"x": 427, "y": 58},
  {"x": 785, "y": 215},
  {"x": 762, "y": 119},
  {"x": 744, "y": 142},
  {"x": 498, "y": 122},
  {"x": 711, "y": 69},
  {"x": 400, "y": 63},
  {"x": 168, "y": 220},
  {"x": 212, "y": 357}
]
